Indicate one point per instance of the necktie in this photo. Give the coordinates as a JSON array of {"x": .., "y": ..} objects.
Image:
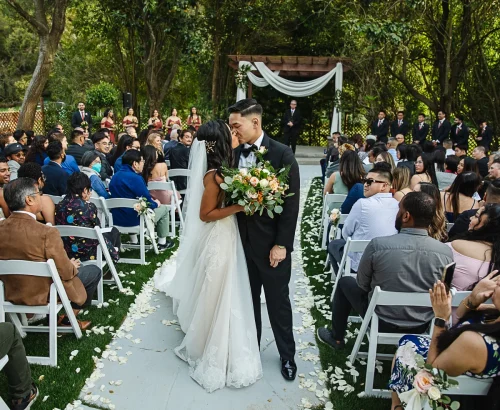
[
  {"x": 458, "y": 130},
  {"x": 293, "y": 112},
  {"x": 379, "y": 122},
  {"x": 399, "y": 122},
  {"x": 420, "y": 125},
  {"x": 82, "y": 114},
  {"x": 246, "y": 151},
  {"x": 439, "y": 125}
]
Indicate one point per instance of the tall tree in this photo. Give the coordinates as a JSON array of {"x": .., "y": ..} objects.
[{"x": 49, "y": 32}]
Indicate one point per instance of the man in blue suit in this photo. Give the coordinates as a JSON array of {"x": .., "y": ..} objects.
[
  {"x": 129, "y": 183},
  {"x": 55, "y": 176}
]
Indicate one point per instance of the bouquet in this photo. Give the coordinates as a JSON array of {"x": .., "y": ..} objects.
[
  {"x": 258, "y": 189},
  {"x": 143, "y": 207},
  {"x": 334, "y": 216},
  {"x": 428, "y": 382},
  {"x": 84, "y": 125}
]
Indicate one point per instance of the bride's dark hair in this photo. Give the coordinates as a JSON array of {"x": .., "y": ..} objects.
[{"x": 218, "y": 143}]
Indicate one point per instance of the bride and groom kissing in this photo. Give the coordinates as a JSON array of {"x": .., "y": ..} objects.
[{"x": 226, "y": 257}]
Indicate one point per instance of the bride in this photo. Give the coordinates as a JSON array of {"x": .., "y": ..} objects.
[{"x": 209, "y": 282}]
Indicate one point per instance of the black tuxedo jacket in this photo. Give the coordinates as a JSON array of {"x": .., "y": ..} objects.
[
  {"x": 76, "y": 119},
  {"x": 420, "y": 135},
  {"x": 440, "y": 133},
  {"x": 260, "y": 233},
  {"x": 296, "y": 118},
  {"x": 396, "y": 129},
  {"x": 179, "y": 159},
  {"x": 462, "y": 138},
  {"x": 382, "y": 131},
  {"x": 487, "y": 137}
]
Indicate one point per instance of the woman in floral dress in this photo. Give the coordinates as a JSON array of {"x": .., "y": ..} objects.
[{"x": 478, "y": 334}]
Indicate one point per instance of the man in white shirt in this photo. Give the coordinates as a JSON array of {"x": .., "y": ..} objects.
[
  {"x": 370, "y": 217},
  {"x": 448, "y": 144}
]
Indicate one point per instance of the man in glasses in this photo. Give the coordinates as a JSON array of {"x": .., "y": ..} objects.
[
  {"x": 101, "y": 148},
  {"x": 16, "y": 156},
  {"x": 370, "y": 217}
]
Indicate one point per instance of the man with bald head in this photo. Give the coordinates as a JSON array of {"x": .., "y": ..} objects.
[{"x": 292, "y": 121}]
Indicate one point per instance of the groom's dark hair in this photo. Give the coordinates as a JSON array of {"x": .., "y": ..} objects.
[{"x": 246, "y": 107}]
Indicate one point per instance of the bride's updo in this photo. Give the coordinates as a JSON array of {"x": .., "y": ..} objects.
[{"x": 218, "y": 143}]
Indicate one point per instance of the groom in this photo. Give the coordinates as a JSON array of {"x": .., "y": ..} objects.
[{"x": 268, "y": 243}]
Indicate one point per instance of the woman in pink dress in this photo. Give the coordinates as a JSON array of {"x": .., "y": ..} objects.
[
  {"x": 173, "y": 119},
  {"x": 107, "y": 122},
  {"x": 194, "y": 119},
  {"x": 130, "y": 120},
  {"x": 156, "y": 170},
  {"x": 156, "y": 121}
]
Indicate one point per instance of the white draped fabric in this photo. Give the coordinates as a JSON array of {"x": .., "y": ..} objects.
[{"x": 293, "y": 88}]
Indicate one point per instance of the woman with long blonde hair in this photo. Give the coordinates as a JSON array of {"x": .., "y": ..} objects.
[{"x": 401, "y": 182}]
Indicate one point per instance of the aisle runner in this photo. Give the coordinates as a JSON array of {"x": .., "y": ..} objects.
[{"x": 100, "y": 391}]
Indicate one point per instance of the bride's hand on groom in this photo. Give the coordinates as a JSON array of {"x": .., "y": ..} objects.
[{"x": 277, "y": 255}]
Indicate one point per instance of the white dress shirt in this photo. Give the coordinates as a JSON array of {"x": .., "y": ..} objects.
[
  {"x": 25, "y": 212},
  {"x": 251, "y": 159},
  {"x": 370, "y": 218}
]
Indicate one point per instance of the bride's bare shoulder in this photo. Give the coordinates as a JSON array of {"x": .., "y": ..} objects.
[{"x": 212, "y": 178}]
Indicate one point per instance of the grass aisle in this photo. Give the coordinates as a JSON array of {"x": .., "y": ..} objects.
[
  {"x": 344, "y": 392},
  {"x": 62, "y": 384}
]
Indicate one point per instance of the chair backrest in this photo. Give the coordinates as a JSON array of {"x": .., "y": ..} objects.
[
  {"x": 102, "y": 210},
  {"x": 79, "y": 231},
  {"x": 449, "y": 226},
  {"x": 355, "y": 246},
  {"x": 55, "y": 198},
  {"x": 342, "y": 218},
  {"x": 414, "y": 299},
  {"x": 179, "y": 172},
  {"x": 167, "y": 161},
  {"x": 161, "y": 186},
  {"x": 333, "y": 198},
  {"x": 18, "y": 267},
  {"x": 112, "y": 203}
]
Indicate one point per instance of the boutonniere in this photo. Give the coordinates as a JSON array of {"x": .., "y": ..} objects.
[{"x": 263, "y": 150}]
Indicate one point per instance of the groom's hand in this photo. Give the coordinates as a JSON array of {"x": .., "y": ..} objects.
[{"x": 277, "y": 255}]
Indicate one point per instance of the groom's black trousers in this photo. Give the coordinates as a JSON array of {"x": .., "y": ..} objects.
[{"x": 275, "y": 282}]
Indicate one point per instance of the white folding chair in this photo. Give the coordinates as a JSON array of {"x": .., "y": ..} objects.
[
  {"x": 140, "y": 229},
  {"x": 370, "y": 326},
  {"x": 102, "y": 211},
  {"x": 175, "y": 204},
  {"x": 325, "y": 215},
  {"x": 167, "y": 161},
  {"x": 55, "y": 198},
  {"x": 338, "y": 235},
  {"x": 102, "y": 249},
  {"x": 449, "y": 226},
  {"x": 46, "y": 270},
  {"x": 179, "y": 173},
  {"x": 3, "y": 361}
]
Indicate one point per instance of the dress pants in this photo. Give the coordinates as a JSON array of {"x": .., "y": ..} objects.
[
  {"x": 291, "y": 140},
  {"x": 17, "y": 369},
  {"x": 90, "y": 275},
  {"x": 162, "y": 220},
  {"x": 349, "y": 296},
  {"x": 336, "y": 252}
]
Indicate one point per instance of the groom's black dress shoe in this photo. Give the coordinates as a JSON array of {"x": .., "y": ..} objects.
[{"x": 288, "y": 369}]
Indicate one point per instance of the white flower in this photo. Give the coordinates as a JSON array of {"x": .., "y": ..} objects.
[
  {"x": 434, "y": 393},
  {"x": 263, "y": 183},
  {"x": 244, "y": 172},
  {"x": 262, "y": 150},
  {"x": 406, "y": 355}
]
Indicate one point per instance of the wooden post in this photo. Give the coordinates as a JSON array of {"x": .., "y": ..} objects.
[{"x": 250, "y": 89}]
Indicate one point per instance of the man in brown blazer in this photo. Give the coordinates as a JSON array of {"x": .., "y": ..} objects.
[{"x": 27, "y": 239}]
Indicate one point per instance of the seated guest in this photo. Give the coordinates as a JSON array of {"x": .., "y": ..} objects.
[
  {"x": 400, "y": 138},
  {"x": 69, "y": 164},
  {"x": 476, "y": 252},
  {"x": 34, "y": 171},
  {"x": 4, "y": 179},
  {"x": 372, "y": 155},
  {"x": 400, "y": 182},
  {"x": 22, "y": 390},
  {"x": 461, "y": 151},
  {"x": 412, "y": 152},
  {"x": 125, "y": 143},
  {"x": 491, "y": 196},
  {"x": 77, "y": 147},
  {"x": 15, "y": 156},
  {"x": 370, "y": 217},
  {"x": 6, "y": 138},
  {"x": 467, "y": 164},
  {"x": 102, "y": 147},
  {"x": 38, "y": 242},
  {"x": 479, "y": 154},
  {"x": 476, "y": 335},
  {"x": 451, "y": 164},
  {"x": 21, "y": 138},
  {"x": 448, "y": 145},
  {"x": 459, "y": 196},
  {"x": 170, "y": 144},
  {"x": 352, "y": 175},
  {"x": 155, "y": 171},
  {"x": 391, "y": 149},
  {"x": 367, "y": 147},
  {"x": 385, "y": 156},
  {"x": 179, "y": 158},
  {"x": 424, "y": 171},
  {"x": 437, "y": 229},
  {"x": 55, "y": 176},
  {"x": 409, "y": 261},
  {"x": 128, "y": 183},
  {"x": 91, "y": 166},
  {"x": 494, "y": 172},
  {"x": 37, "y": 152},
  {"x": 76, "y": 209},
  {"x": 443, "y": 176}
]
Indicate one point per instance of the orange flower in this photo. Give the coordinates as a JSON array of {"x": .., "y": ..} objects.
[{"x": 260, "y": 198}]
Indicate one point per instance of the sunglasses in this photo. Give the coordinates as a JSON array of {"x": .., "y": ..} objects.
[{"x": 369, "y": 181}]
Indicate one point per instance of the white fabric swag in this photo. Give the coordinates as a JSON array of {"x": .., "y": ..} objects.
[{"x": 293, "y": 88}]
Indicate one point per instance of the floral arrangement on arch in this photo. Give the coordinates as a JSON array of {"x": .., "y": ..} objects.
[
  {"x": 428, "y": 384},
  {"x": 241, "y": 76},
  {"x": 259, "y": 188}
]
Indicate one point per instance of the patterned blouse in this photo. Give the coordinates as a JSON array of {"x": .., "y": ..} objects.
[{"x": 73, "y": 210}]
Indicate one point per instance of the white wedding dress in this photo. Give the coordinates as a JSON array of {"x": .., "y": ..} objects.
[{"x": 210, "y": 289}]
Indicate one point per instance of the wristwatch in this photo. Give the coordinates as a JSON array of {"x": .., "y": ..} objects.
[{"x": 439, "y": 322}]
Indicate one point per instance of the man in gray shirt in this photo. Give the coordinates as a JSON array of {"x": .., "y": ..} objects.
[{"x": 410, "y": 261}]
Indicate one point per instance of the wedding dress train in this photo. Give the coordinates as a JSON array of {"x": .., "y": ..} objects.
[{"x": 211, "y": 295}]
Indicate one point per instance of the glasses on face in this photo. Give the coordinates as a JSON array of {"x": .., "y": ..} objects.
[
  {"x": 136, "y": 147},
  {"x": 36, "y": 193},
  {"x": 369, "y": 181}
]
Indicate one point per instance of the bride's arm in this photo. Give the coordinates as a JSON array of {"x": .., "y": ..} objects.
[{"x": 209, "y": 210}]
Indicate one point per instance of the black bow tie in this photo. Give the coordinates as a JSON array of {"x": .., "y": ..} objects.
[{"x": 246, "y": 151}]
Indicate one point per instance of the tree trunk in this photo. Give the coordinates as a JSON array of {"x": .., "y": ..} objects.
[
  {"x": 46, "y": 54},
  {"x": 215, "y": 75}
]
